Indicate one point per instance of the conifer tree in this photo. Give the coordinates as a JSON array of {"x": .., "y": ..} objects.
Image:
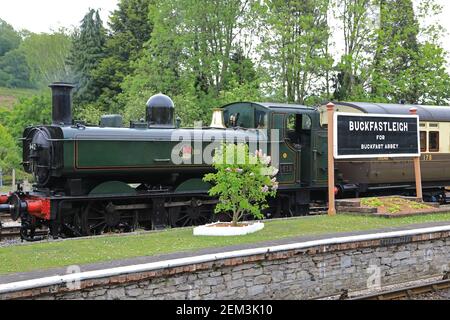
[
  {"x": 130, "y": 28},
  {"x": 87, "y": 51}
]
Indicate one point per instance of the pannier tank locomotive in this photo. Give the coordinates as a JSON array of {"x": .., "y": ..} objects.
[{"x": 94, "y": 179}]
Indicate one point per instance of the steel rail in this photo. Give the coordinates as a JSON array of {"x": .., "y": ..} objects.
[
  {"x": 407, "y": 292},
  {"x": 13, "y": 232}
]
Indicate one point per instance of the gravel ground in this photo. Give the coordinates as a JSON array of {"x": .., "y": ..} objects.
[
  {"x": 440, "y": 295},
  {"x": 9, "y": 243},
  {"x": 362, "y": 293}
]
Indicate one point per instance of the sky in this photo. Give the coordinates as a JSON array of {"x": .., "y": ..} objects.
[{"x": 46, "y": 15}]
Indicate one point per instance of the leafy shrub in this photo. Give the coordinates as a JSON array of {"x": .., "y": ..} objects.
[{"x": 243, "y": 181}]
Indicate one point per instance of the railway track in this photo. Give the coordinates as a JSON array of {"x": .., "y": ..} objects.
[
  {"x": 4, "y": 217},
  {"x": 13, "y": 233},
  {"x": 408, "y": 292}
]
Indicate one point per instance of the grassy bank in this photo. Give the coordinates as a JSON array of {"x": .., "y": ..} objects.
[
  {"x": 9, "y": 96},
  {"x": 84, "y": 251}
]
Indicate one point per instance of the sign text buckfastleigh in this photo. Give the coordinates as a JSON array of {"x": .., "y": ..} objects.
[{"x": 374, "y": 136}]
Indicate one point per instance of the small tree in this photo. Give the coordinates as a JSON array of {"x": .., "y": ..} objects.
[{"x": 243, "y": 181}]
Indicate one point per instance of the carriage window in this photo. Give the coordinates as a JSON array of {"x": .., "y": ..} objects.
[
  {"x": 434, "y": 141},
  {"x": 423, "y": 141}
]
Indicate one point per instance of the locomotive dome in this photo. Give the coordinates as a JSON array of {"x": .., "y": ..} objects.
[{"x": 160, "y": 111}]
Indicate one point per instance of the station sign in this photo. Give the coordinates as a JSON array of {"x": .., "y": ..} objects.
[{"x": 376, "y": 136}]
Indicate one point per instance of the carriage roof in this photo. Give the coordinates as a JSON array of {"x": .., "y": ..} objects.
[{"x": 426, "y": 113}]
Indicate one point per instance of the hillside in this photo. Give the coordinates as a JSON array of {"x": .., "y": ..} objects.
[{"x": 10, "y": 96}]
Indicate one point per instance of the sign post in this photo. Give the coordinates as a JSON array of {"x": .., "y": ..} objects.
[
  {"x": 417, "y": 169},
  {"x": 331, "y": 184}
]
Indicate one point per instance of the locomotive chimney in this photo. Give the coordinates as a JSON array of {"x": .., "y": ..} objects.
[{"x": 62, "y": 103}]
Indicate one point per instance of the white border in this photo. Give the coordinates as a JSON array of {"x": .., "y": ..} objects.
[
  {"x": 209, "y": 230},
  {"x": 70, "y": 278},
  {"x": 406, "y": 155}
]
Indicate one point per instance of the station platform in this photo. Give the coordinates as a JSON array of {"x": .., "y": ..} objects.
[{"x": 38, "y": 274}]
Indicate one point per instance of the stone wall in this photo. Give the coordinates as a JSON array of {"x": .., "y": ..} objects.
[{"x": 293, "y": 274}]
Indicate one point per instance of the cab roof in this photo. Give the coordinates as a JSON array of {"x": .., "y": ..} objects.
[{"x": 275, "y": 106}]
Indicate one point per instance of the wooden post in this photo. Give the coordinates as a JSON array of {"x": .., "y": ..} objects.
[
  {"x": 417, "y": 169},
  {"x": 331, "y": 184},
  {"x": 13, "y": 187}
]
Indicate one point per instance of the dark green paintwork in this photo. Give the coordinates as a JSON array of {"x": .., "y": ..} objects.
[
  {"x": 113, "y": 187},
  {"x": 193, "y": 185},
  {"x": 123, "y": 151}
]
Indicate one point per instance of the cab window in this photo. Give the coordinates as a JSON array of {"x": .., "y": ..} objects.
[
  {"x": 434, "y": 141},
  {"x": 260, "y": 119},
  {"x": 297, "y": 125}
]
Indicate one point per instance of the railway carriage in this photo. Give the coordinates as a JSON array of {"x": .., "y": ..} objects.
[{"x": 94, "y": 179}]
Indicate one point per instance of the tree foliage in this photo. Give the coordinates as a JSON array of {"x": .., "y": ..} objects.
[
  {"x": 9, "y": 152},
  {"x": 29, "y": 111},
  {"x": 295, "y": 33},
  {"x": 397, "y": 52},
  {"x": 192, "y": 54},
  {"x": 46, "y": 55},
  {"x": 14, "y": 70},
  {"x": 358, "y": 19},
  {"x": 9, "y": 38},
  {"x": 130, "y": 28},
  {"x": 88, "y": 49}
]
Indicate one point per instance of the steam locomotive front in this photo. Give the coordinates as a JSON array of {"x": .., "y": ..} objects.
[
  {"x": 42, "y": 147},
  {"x": 43, "y": 158}
]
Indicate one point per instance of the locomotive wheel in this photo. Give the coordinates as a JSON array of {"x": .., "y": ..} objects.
[
  {"x": 193, "y": 215},
  {"x": 100, "y": 216},
  {"x": 70, "y": 225}
]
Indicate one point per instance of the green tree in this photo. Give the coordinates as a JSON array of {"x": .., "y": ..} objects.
[
  {"x": 9, "y": 38},
  {"x": 427, "y": 79},
  {"x": 29, "y": 111},
  {"x": 295, "y": 33},
  {"x": 397, "y": 51},
  {"x": 131, "y": 28},
  {"x": 243, "y": 186},
  {"x": 9, "y": 151},
  {"x": 46, "y": 56},
  {"x": 14, "y": 70},
  {"x": 409, "y": 63},
  {"x": 87, "y": 51},
  {"x": 358, "y": 19},
  {"x": 192, "y": 54}
]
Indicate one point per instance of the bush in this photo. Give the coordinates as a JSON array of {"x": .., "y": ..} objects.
[{"x": 243, "y": 181}]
